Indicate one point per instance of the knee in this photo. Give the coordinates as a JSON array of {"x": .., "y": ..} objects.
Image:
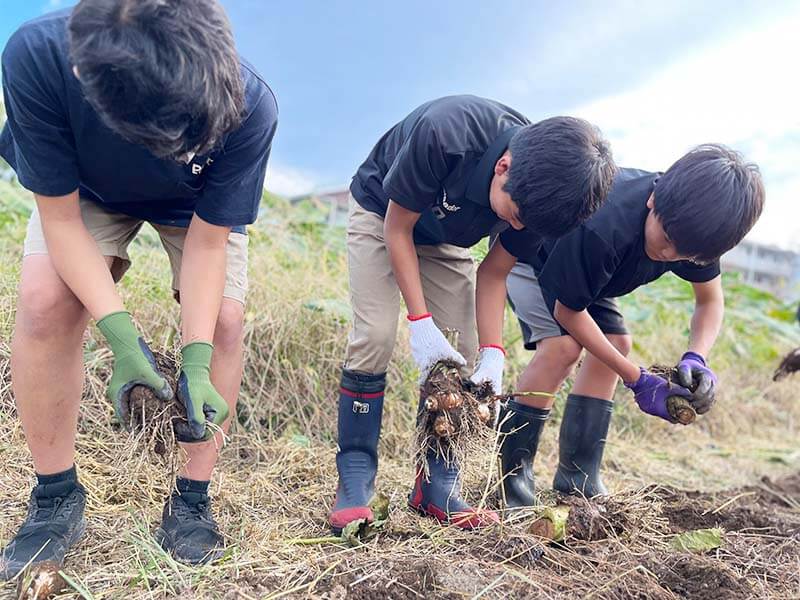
[
  {"x": 561, "y": 354},
  {"x": 229, "y": 330},
  {"x": 47, "y": 311},
  {"x": 623, "y": 343}
]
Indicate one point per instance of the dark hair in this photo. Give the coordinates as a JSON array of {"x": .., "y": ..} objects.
[
  {"x": 561, "y": 171},
  {"x": 163, "y": 74},
  {"x": 708, "y": 201}
]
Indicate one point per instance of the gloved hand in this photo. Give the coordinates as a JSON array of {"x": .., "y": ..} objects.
[
  {"x": 489, "y": 367},
  {"x": 694, "y": 375},
  {"x": 198, "y": 395},
  {"x": 429, "y": 346},
  {"x": 134, "y": 364},
  {"x": 652, "y": 391}
]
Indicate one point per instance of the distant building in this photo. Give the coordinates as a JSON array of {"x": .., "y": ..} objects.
[
  {"x": 329, "y": 207},
  {"x": 767, "y": 267}
]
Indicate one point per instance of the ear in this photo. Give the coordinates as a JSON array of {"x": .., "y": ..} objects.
[
  {"x": 503, "y": 164},
  {"x": 651, "y": 201}
]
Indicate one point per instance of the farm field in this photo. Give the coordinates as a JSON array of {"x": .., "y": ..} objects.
[{"x": 736, "y": 469}]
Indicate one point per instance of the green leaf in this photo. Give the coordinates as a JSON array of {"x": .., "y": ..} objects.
[{"x": 699, "y": 540}]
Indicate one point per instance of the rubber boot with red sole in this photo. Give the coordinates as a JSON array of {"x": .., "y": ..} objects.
[
  {"x": 360, "y": 413},
  {"x": 439, "y": 496}
]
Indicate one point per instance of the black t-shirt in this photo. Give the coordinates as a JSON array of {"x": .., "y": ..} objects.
[
  {"x": 605, "y": 257},
  {"x": 439, "y": 161},
  {"x": 57, "y": 143}
]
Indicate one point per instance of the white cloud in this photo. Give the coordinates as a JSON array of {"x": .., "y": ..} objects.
[
  {"x": 742, "y": 92},
  {"x": 288, "y": 181}
]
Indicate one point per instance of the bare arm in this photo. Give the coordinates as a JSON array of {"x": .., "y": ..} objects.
[
  {"x": 75, "y": 255},
  {"x": 583, "y": 328},
  {"x": 202, "y": 280},
  {"x": 707, "y": 318},
  {"x": 490, "y": 294},
  {"x": 398, "y": 233}
]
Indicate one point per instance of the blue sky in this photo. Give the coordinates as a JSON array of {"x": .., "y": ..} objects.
[{"x": 657, "y": 77}]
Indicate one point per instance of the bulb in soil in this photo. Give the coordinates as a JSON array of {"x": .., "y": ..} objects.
[
  {"x": 432, "y": 403},
  {"x": 484, "y": 412},
  {"x": 443, "y": 427},
  {"x": 452, "y": 400},
  {"x": 41, "y": 581},
  {"x": 681, "y": 410}
]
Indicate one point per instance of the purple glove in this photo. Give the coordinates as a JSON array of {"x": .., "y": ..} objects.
[
  {"x": 697, "y": 377},
  {"x": 652, "y": 391}
]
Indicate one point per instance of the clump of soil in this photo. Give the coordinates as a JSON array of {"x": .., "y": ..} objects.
[
  {"x": 154, "y": 419},
  {"x": 699, "y": 577},
  {"x": 678, "y": 407}
]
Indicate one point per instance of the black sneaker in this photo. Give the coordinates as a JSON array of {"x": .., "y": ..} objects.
[
  {"x": 52, "y": 527},
  {"x": 188, "y": 530}
]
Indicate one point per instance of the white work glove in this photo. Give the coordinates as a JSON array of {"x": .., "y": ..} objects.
[
  {"x": 429, "y": 346},
  {"x": 489, "y": 367}
]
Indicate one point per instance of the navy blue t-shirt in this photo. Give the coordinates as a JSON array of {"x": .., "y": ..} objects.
[
  {"x": 605, "y": 256},
  {"x": 439, "y": 161},
  {"x": 57, "y": 143}
]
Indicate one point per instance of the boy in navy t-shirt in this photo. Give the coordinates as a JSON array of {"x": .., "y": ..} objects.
[
  {"x": 121, "y": 113},
  {"x": 680, "y": 221},
  {"x": 453, "y": 171}
]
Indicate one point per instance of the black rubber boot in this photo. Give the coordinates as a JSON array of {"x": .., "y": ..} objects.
[
  {"x": 360, "y": 414},
  {"x": 188, "y": 530},
  {"x": 582, "y": 440},
  {"x": 522, "y": 426},
  {"x": 53, "y": 525}
]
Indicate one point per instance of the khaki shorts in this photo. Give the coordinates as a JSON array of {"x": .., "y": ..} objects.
[
  {"x": 113, "y": 232},
  {"x": 448, "y": 283}
]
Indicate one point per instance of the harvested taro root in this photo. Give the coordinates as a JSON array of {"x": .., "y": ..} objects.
[
  {"x": 154, "y": 419},
  {"x": 678, "y": 407},
  {"x": 41, "y": 581},
  {"x": 455, "y": 413}
]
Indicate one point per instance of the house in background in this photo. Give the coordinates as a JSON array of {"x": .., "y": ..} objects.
[
  {"x": 329, "y": 207},
  {"x": 767, "y": 267}
]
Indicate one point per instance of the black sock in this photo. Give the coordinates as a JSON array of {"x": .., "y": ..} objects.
[
  {"x": 57, "y": 484},
  {"x": 192, "y": 490}
]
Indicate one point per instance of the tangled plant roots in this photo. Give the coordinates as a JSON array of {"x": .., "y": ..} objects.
[
  {"x": 152, "y": 420},
  {"x": 455, "y": 415}
]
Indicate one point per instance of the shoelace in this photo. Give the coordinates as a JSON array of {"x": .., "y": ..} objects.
[
  {"x": 46, "y": 508},
  {"x": 194, "y": 512}
]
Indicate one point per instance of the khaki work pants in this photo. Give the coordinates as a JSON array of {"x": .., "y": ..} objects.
[{"x": 448, "y": 283}]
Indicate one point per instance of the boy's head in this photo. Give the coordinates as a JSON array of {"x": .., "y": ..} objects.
[
  {"x": 703, "y": 205},
  {"x": 163, "y": 74},
  {"x": 553, "y": 176}
]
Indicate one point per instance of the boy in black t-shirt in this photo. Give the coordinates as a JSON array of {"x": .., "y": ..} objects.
[
  {"x": 453, "y": 171},
  {"x": 681, "y": 221}
]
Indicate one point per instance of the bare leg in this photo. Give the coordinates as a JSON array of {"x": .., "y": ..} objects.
[
  {"x": 47, "y": 363},
  {"x": 226, "y": 375},
  {"x": 596, "y": 380},
  {"x": 551, "y": 364}
]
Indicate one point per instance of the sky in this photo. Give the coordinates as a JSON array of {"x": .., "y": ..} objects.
[{"x": 656, "y": 77}]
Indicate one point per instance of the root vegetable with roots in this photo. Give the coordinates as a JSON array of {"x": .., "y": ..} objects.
[
  {"x": 455, "y": 413},
  {"x": 679, "y": 408},
  {"x": 153, "y": 420}
]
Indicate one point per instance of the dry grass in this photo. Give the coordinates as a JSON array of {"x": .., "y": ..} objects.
[{"x": 277, "y": 475}]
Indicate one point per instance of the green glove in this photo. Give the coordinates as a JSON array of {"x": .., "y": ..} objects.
[
  {"x": 134, "y": 364},
  {"x": 197, "y": 394}
]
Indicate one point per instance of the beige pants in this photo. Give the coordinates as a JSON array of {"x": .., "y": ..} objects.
[
  {"x": 448, "y": 282},
  {"x": 113, "y": 232}
]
